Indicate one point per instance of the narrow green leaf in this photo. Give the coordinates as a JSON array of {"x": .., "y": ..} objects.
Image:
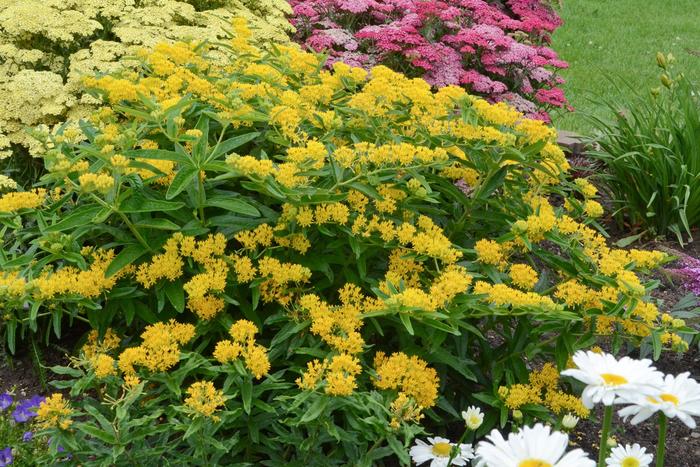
[
  {"x": 184, "y": 178},
  {"x": 125, "y": 257}
]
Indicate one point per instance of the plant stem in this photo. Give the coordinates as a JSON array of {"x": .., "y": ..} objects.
[
  {"x": 457, "y": 449},
  {"x": 661, "y": 449},
  {"x": 607, "y": 421}
]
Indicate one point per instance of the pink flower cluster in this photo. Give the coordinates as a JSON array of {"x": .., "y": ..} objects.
[
  {"x": 495, "y": 48},
  {"x": 689, "y": 272}
]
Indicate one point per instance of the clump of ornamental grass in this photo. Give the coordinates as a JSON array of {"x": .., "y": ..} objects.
[
  {"x": 279, "y": 255},
  {"x": 651, "y": 156}
]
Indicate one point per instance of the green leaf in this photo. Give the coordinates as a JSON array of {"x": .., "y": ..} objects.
[
  {"x": 247, "y": 394},
  {"x": 399, "y": 449},
  {"x": 158, "y": 224},
  {"x": 64, "y": 370},
  {"x": 95, "y": 432},
  {"x": 79, "y": 217},
  {"x": 623, "y": 242},
  {"x": 232, "y": 143},
  {"x": 406, "y": 320},
  {"x": 10, "y": 331},
  {"x": 139, "y": 203},
  {"x": 316, "y": 409},
  {"x": 159, "y": 154},
  {"x": 125, "y": 257},
  {"x": 176, "y": 295},
  {"x": 183, "y": 179},
  {"x": 234, "y": 205}
]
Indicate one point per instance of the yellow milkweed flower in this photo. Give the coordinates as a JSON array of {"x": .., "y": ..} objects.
[
  {"x": 96, "y": 182},
  {"x": 244, "y": 345},
  {"x": 341, "y": 375},
  {"x": 490, "y": 252},
  {"x": 592, "y": 208},
  {"x": 14, "y": 201},
  {"x": 54, "y": 412},
  {"x": 204, "y": 399},
  {"x": 523, "y": 276},
  {"x": 409, "y": 375}
]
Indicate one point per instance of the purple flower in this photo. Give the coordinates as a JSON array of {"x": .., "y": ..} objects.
[
  {"x": 27, "y": 436},
  {"x": 5, "y": 457},
  {"x": 5, "y": 401},
  {"x": 26, "y": 409}
]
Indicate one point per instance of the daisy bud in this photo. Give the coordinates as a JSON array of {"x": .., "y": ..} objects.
[
  {"x": 517, "y": 415},
  {"x": 569, "y": 421}
]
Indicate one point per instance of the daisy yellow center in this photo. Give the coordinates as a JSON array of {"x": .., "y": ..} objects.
[
  {"x": 630, "y": 462},
  {"x": 534, "y": 463},
  {"x": 669, "y": 398},
  {"x": 613, "y": 379},
  {"x": 442, "y": 449}
]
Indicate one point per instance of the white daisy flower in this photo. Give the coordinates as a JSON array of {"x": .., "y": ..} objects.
[
  {"x": 607, "y": 378},
  {"x": 629, "y": 456},
  {"x": 679, "y": 396},
  {"x": 438, "y": 452},
  {"x": 534, "y": 446},
  {"x": 473, "y": 417}
]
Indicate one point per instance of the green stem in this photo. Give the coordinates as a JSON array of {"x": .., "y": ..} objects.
[
  {"x": 457, "y": 449},
  {"x": 201, "y": 198},
  {"x": 661, "y": 449},
  {"x": 607, "y": 421}
]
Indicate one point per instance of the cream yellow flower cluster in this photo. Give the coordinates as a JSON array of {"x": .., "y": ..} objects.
[{"x": 47, "y": 47}]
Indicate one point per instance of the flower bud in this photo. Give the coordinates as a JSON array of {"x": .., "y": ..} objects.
[
  {"x": 666, "y": 81},
  {"x": 473, "y": 417},
  {"x": 517, "y": 415},
  {"x": 661, "y": 60},
  {"x": 569, "y": 421}
]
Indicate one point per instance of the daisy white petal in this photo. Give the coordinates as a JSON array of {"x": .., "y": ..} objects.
[
  {"x": 629, "y": 456},
  {"x": 607, "y": 378},
  {"x": 536, "y": 446},
  {"x": 437, "y": 450},
  {"x": 677, "y": 397}
]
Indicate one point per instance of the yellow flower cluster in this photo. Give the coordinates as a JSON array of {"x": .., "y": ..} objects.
[
  {"x": 490, "y": 252},
  {"x": 338, "y": 372},
  {"x": 204, "y": 399},
  {"x": 338, "y": 326},
  {"x": 503, "y": 295},
  {"x": 90, "y": 283},
  {"x": 96, "y": 182},
  {"x": 201, "y": 288},
  {"x": 523, "y": 276},
  {"x": 96, "y": 352},
  {"x": 54, "y": 412},
  {"x": 451, "y": 282},
  {"x": 543, "y": 389},
  {"x": 244, "y": 345},
  {"x": 414, "y": 381},
  {"x": 160, "y": 349},
  {"x": 16, "y": 200},
  {"x": 67, "y": 45}
]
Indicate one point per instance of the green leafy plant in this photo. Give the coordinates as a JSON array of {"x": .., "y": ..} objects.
[
  {"x": 651, "y": 152},
  {"x": 332, "y": 262}
]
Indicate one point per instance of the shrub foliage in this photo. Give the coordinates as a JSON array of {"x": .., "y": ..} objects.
[{"x": 312, "y": 265}]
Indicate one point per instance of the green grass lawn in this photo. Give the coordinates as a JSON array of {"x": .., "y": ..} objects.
[{"x": 620, "y": 38}]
